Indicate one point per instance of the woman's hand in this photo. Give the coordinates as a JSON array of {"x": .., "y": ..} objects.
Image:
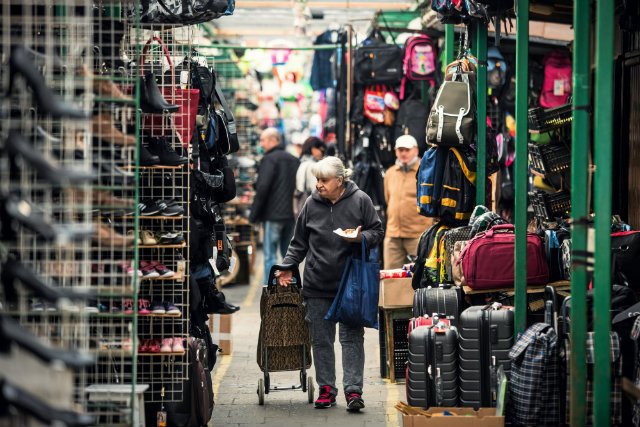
[
  {"x": 357, "y": 238},
  {"x": 284, "y": 277}
]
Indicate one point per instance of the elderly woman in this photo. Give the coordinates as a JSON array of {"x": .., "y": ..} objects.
[{"x": 336, "y": 203}]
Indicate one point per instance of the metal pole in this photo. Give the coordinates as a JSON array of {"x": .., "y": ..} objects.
[
  {"x": 580, "y": 137},
  {"x": 449, "y": 43},
  {"x": 603, "y": 130},
  {"x": 521, "y": 165},
  {"x": 481, "y": 94}
]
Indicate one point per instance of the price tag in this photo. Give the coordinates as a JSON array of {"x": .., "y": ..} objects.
[
  {"x": 184, "y": 77},
  {"x": 161, "y": 419},
  {"x": 558, "y": 87},
  {"x": 365, "y": 142}
]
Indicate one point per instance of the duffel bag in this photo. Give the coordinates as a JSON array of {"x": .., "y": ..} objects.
[
  {"x": 452, "y": 120},
  {"x": 488, "y": 259}
]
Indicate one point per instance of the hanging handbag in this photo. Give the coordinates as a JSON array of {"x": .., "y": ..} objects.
[
  {"x": 184, "y": 119},
  {"x": 356, "y": 304},
  {"x": 180, "y": 12},
  {"x": 226, "y": 125}
]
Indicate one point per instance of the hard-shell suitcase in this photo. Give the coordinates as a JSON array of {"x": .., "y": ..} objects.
[
  {"x": 443, "y": 300},
  {"x": 486, "y": 336},
  {"x": 432, "y": 368}
]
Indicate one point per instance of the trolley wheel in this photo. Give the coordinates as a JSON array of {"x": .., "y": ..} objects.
[
  {"x": 303, "y": 381},
  {"x": 267, "y": 383},
  {"x": 260, "y": 391},
  {"x": 310, "y": 389}
]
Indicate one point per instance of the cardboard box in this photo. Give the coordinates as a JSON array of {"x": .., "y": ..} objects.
[
  {"x": 468, "y": 417},
  {"x": 396, "y": 293},
  {"x": 220, "y": 328}
]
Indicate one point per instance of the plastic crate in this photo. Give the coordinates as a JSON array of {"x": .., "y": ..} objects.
[
  {"x": 549, "y": 159},
  {"x": 383, "y": 346},
  {"x": 541, "y": 120},
  {"x": 400, "y": 358},
  {"x": 400, "y": 334},
  {"x": 550, "y": 206}
]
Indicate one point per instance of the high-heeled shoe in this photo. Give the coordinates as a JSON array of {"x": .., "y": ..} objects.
[
  {"x": 15, "y": 211},
  {"x": 20, "y": 63},
  {"x": 104, "y": 128},
  {"x": 18, "y": 146},
  {"x": 103, "y": 87},
  {"x": 151, "y": 99}
]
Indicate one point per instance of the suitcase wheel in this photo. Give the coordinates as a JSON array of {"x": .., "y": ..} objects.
[
  {"x": 310, "y": 389},
  {"x": 260, "y": 391}
]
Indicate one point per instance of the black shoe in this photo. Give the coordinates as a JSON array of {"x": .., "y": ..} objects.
[
  {"x": 21, "y": 63},
  {"x": 111, "y": 175},
  {"x": 170, "y": 207},
  {"x": 151, "y": 100},
  {"x": 148, "y": 159},
  {"x": 16, "y": 212},
  {"x": 354, "y": 402},
  {"x": 149, "y": 207},
  {"x": 18, "y": 146},
  {"x": 162, "y": 148}
]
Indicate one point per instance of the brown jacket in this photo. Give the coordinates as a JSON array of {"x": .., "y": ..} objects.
[{"x": 403, "y": 219}]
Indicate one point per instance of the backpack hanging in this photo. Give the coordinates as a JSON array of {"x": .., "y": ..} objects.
[
  {"x": 420, "y": 61},
  {"x": 556, "y": 87},
  {"x": 457, "y": 198},
  {"x": 452, "y": 120},
  {"x": 374, "y": 103},
  {"x": 377, "y": 62},
  {"x": 429, "y": 181},
  {"x": 410, "y": 120}
]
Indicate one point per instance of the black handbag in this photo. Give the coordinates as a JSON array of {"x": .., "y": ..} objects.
[
  {"x": 378, "y": 62},
  {"x": 226, "y": 134},
  {"x": 181, "y": 12}
]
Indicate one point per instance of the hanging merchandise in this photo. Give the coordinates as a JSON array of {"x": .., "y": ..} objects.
[
  {"x": 556, "y": 87},
  {"x": 322, "y": 71},
  {"x": 452, "y": 120},
  {"x": 429, "y": 181},
  {"x": 225, "y": 124},
  {"x": 420, "y": 61},
  {"x": 181, "y": 13},
  {"x": 184, "y": 119},
  {"x": 496, "y": 70},
  {"x": 458, "y": 195},
  {"x": 374, "y": 103},
  {"x": 377, "y": 62},
  {"x": 410, "y": 120}
]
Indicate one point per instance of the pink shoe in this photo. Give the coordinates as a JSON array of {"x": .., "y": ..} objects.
[
  {"x": 177, "y": 345},
  {"x": 127, "y": 306},
  {"x": 166, "y": 345},
  {"x": 143, "y": 307}
]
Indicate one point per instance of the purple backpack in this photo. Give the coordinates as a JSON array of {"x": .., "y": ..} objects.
[{"x": 420, "y": 61}]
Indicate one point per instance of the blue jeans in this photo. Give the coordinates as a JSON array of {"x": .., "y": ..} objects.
[{"x": 277, "y": 234}]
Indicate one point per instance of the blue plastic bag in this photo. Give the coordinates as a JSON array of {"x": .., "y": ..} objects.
[{"x": 356, "y": 303}]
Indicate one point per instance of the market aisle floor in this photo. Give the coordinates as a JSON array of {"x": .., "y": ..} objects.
[{"x": 235, "y": 380}]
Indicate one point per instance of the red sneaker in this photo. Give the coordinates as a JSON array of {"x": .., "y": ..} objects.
[
  {"x": 326, "y": 398},
  {"x": 354, "y": 402}
]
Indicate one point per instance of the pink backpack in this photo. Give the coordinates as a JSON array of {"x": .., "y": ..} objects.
[
  {"x": 420, "y": 60},
  {"x": 556, "y": 87}
]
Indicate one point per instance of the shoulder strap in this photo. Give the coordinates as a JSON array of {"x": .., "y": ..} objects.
[{"x": 225, "y": 107}]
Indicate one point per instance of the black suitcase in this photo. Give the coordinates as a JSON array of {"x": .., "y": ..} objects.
[
  {"x": 486, "y": 336},
  {"x": 432, "y": 368},
  {"x": 443, "y": 300}
]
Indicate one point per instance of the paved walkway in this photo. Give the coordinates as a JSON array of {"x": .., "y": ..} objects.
[{"x": 235, "y": 380}]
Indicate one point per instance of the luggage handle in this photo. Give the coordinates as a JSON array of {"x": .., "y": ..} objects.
[
  {"x": 501, "y": 228},
  {"x": 272, "y": 282}
]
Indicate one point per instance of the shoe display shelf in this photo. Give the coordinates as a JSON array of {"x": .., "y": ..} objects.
[
  {"x": 163, "y": 215},
  {"x": 50, "y": 209}
]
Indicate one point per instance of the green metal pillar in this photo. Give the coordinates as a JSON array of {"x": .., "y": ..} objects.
[
  {"x": 481, "y": 93},
  {"x": 521, "y": 165},
  {"x": 449, "y": 43},
  {"x": 603, "y": 131},
  {"x": 580, "y": 137}
]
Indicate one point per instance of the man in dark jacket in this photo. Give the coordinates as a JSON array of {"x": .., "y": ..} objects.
[{"x": 273, "y": 203}]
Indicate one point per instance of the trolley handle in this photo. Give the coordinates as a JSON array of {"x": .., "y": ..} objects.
[{"x": 284, "y": 267}]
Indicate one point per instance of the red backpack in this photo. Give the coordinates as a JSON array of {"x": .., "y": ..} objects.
[
  {"x": 420, "y": 61},
  {"x": 556, "y": 86}
]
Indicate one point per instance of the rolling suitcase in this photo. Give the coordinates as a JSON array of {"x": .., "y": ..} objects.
[
  {"x": 443, "y": 300},
  {"x": 486, "y": 336},
  {"x": 432, "y": 368}
]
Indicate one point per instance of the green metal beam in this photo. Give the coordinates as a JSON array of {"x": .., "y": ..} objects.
[
  {"x": 580, "y": 137},
  {"x": 603, "y": 130},
  {"x": 449, "y": 43},
  {"x": 521, "y": 165},
  {"x": 481, "y": 93}
]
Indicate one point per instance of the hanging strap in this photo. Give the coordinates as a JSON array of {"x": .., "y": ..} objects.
[
  {"x": 440, "y": 122},
  {"x": 231, "y": 122},
  {"x": 458, "y": 125}
]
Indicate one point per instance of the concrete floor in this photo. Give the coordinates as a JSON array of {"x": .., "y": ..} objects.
[{"x": 235, "y": 380}]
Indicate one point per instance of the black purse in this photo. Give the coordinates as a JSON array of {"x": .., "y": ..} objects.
[
  {"x": 227, "y": 137},
  {"x": 181, "y": 12}
]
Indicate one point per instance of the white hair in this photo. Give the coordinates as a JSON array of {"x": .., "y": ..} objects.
[{"x": 331, "y": 167}]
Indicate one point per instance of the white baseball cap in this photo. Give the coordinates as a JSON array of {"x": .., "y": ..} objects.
[{"x": 406, "y": 141}]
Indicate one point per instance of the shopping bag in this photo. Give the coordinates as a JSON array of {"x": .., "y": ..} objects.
[
  {"x": 184, "y": 120},
  {"x": 356, "y": 303}
]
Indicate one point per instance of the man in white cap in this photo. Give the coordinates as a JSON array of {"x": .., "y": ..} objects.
[{"x": 404, "y": 224}]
